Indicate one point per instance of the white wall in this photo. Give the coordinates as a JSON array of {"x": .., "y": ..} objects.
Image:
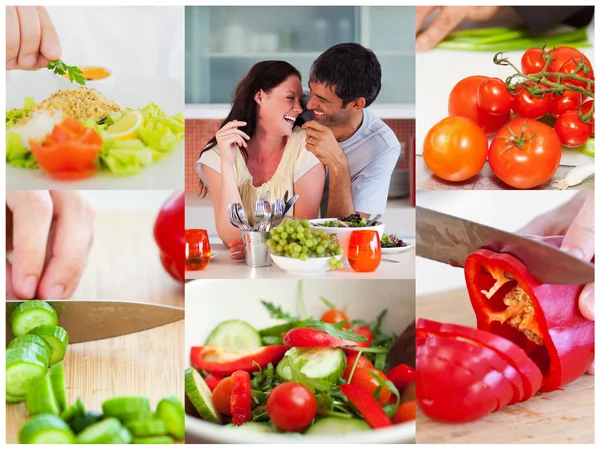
[
  {"x": 506, "y": 210},
  {"x": 127, "y": 200}
]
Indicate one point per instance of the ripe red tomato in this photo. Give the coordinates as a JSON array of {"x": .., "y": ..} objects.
[
  {"x": 405, "y": 412},
  {"x": 364, "y": 378},
  {"x": 571, "y": 67},
  {"x": 335, "y": 316},
  {"x": 530, "y": 159},
  {"x": 362, "y": 362},
  {"x": 364, "y": 330},
  {"x": 530, "y": 107},
  {"x": 571, "y": 130},
  {"x": 561, "y": 103},
  {"x": 493, "y": 97},
  {"x": 455, "y": 149},
  {"x": 560, "y": 56},
  {"x": 169, "y": 234},
  {"x": 585, "y": 109},
  {"x": 291, "y": 406},
  {"x": 222, "y": 396},
  {"x": 463, "y": 102},
  {"x": 532, "y": 62}
]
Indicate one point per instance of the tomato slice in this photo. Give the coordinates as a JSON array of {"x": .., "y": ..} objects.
[
  {"x": 66, "y": 160},
  {"x": 530, "y": 373}
]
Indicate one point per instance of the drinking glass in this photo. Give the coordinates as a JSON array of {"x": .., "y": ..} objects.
[
  {"x": 197, "y": 249},
  {"x": 364, "y": 250}
]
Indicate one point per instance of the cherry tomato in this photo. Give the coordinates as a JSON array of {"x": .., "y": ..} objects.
[
  {"x": 561, "y": 103},
  {"x": 560, "y": 56},
  {"x": 362, "y": 362},
  {"x": 335, "y": 316},
  {"x": 212, "y": 380},
  {"x": 493, "y": 97},
  {"x": 585, "y": 109},
  {"x": 455, "y": 149},
  {"x": 405, "y": 412},
  {"x": 463, "y": 102},
  {"x": 222, "y": 396},
  {"x": 571, "y": 67},
  {"x": 401, "y": 375},
  {"x": 531, "y": 159},
  {"x": 364, "y": 330},
  {"x": 365, "y": 378},
  {"x": 291, "y": 406},
  {"x": 532, "y": 61},
  {"x": 528, "y": 106},
  {"x": 571, "y": 130}
]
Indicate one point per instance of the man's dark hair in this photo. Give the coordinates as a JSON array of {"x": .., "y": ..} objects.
[{"x": 351, "y": 69}]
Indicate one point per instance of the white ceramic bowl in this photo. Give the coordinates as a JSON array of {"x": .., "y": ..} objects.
[
  {"x": 312, "y": 266},
  {"x": 210, "y": 302},
  {"x": 343, "y": 234}
]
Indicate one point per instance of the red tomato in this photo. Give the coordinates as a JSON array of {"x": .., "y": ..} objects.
[
  {"x": 532, "y": 61},
  {"x": 169, "y": 234},
  {"x": 365, "y": 379},
  {"x": 561, "y": 103},
  {"x": 362, "y": 362},
  {"x": 291, "y": 406},
  {"x": 560, "y": 56},
  {"x": 455, "y": 149},
  {"x": 530, "y": 107},
  {"x": 405, "y": 412},
  {"x": 222, "y": 396},
  {"x": 585, "y": 109},
  {"x": 493, "y": 97},
  {"x": 571, "y": 67},
  {"x": 335, "y": 316},
  {"x": 364, "y": 330},
  {"x": 463, "y": 102},
  {"x": 212, "y": 381},
  {"x": 528, "y": 160},
  {"x": 571, "y": 130},
  {"x": 401, "y": 375}
]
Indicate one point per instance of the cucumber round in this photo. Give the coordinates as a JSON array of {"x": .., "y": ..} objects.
[
  {"x": 126, "y": 408},
  {"x": 319, "y": 364},
  {"x": 23, "y": 366},
  {"x": 11, "y": 399},
  {"x": 106, "y": 431},
  {"x": 337, "y": 425},
  {"x": 30, "y": 314},
  {"x": 57, "y": 338},
  {"x": 57, "y": 380},
  {"x": 153, "y": 440},
  {"x": 33, "y": 347},
  {"x": 235, "y": 336},
  {"x": 31, "y": 341},
  {"x": 124, "y": 436},
  {"x": 199, "y": 394},
  {"x": 146, "y": 428},
  {"x": 40, "y": 398},
  {"x": 170, "y": 410},
  {"x": 46, "y": 429}
]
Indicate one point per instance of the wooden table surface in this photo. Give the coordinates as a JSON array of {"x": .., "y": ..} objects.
[
  {"x": 485, "y": 180},
  {"x": 559, "y": 417}
]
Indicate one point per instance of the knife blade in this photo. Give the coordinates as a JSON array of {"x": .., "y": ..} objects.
[
  {"x": 93, "y": 320},
  {"x": 450, "y": 240}
]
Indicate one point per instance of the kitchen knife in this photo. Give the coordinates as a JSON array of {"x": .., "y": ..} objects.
[
  {"x": 94, "y": 320},
  {"x": 450, "y": 240}
]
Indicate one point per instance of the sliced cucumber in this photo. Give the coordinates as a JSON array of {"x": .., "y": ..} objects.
[
  {"x": 75, "y": 410},
  {"x": 126, "y": 408},
  {"x": 40, "y": 398},
  {"x": 30, "y": 314},
  {"x": 124, "y": 436},
  {"x": 106, "y": 431},
  {"x": 57, "y": 380},
  {"x": 79, "y": 423},
  {"x": 322, "y": 366},
  {"x": 23, "y": 366},
  {"x": 146, "y": 428},
  {"x": 337, "y": 425},
  {"x": 11, "y": 399},
  {"x": 58, "y": 339},
  {"x": 37, "y": 343},
  {"x": 170, "y": 410},
  {"x": 43, "y": 354},
  {"x": 153, "y": 440},
  {"x": 235, "y": 336},
  {"x": 199, "y": 394},
  {"x": 46, "y": 429}
]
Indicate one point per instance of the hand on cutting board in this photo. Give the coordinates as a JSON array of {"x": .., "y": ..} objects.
[
  {"x": 31, "y": 39},
  {"x": 574, "y": 220},
  {"x": 448, "y": 18},
  {"x": 50, "y": 236}
]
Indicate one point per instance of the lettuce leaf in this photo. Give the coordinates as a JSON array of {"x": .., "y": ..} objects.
[
  {"x": 16, "y": 114},
  {"x": 17, "y": 155}
]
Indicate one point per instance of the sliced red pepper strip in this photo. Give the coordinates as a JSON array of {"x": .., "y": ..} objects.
[
  {"x": 307, "y": 337},
  {"x": 401, "y": 375},
  {"x": 222, "y": 362},
  {"x": 212, "y": 380},
  {"x": 241, "y": 397},
  {"x": 366, "y": 404},
  {"x": 543, "y": 319},
  {"x": 531, "y": 377}
]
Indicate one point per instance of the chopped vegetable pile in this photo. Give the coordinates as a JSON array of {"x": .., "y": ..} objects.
[
  {"x": 40, "y": 343},
  {"x": 305, "y": 375}
]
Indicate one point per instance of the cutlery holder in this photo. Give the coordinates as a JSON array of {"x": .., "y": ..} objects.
[{"x": 258, "y": 253}]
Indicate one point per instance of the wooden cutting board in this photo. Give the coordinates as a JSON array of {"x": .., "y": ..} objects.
[
  {"x": 149, "y": 364},
  {"x": 560, "y": 417}
]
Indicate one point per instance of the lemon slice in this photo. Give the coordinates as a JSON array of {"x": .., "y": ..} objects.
[{"x": 127, "y": 127}]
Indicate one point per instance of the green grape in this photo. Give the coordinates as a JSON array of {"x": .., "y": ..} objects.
[
  {"x": 309, "y": 243},
  {"x": 320, "y": 249},
  {"x": 301, "y": 236},
  {"x": 283, "y": 242},
  {"x": 294, "y": 236},
  {"x": 305, "y": 223},
  {"x": 276, "y": 237},
  {"x": 279, "y": 248},
  {"x": 303, "y": 256},
  {"x": 284, "y": 235},
  {"x": 299, "y": 229}
]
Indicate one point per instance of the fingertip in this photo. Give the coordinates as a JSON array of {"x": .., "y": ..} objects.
[
  {"x": 592, "y": 369},
  {"x": 587, "y": 303},
  {"x": 25, "y": 289}
]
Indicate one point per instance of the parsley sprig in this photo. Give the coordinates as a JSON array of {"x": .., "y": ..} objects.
[{"x": 60, "y": 68}]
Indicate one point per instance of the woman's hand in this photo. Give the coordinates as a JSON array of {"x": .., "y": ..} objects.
[
  {"x": 237, "y": 250},
  {"x": 50, "y": 235},
  {"x": 229, "y": 138}
]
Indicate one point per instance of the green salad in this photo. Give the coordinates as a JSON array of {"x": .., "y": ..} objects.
[{"x": 351, "y": 221}]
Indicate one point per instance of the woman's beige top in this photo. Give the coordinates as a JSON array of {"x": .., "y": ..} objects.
[{"x": 295, "y": 162}]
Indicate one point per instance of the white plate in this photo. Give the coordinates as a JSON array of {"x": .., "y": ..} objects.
[
  {"x": 130, "y": 91},
  {"x": 214, "y": 254},
  {"x": 395, "y": 250}
]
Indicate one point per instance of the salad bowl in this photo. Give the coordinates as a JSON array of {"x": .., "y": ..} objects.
[{"x": 343, "y": 233}]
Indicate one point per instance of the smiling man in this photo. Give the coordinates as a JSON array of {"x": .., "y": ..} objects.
[{"x": 358, "y": 149}]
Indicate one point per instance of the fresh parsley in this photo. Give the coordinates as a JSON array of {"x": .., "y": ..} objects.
[
  {"x": 60, "y": 68},
  {"x": 276, "y": 312}
]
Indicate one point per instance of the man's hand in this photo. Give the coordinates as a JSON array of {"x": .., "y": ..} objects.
[
  {"x": 321, "y": 142},
  {"x": 31, "y": 39}
]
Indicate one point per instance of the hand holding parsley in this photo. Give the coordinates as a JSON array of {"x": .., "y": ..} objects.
[{"x": 60, "y": 68}]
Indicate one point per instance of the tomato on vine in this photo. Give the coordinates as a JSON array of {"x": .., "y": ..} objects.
[
  {"x": 566, "y": 101},
  {"x": 493, "y": 97},
  {"x": 571, "y": 130},
  {"x": 530, "y": 106},
  {"x": 586, "y": 107},
  {"x": 580, "y": 67},
  {"x": 532, "y": 61}
]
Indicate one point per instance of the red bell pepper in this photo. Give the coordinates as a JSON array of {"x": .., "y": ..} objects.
[
  {"x": 543, "y": 319},
  {"x": 169, "y": 234},
  {"x": 241, "y": 397},
  {"x": 401, "y": 375},
  {"x": 307, "y": 337},
  {"x": 212, "y": 380},
  {"x": 222, "y": 362},
  {"x": 366, "y": 404}
]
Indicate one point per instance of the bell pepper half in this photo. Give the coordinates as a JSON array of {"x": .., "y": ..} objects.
[
  {"x": 542, "y": 319},
  {"x": 241, "y": 397},
  {"x": 223, "y": 362},
  {"x": 366, "y": 405}
]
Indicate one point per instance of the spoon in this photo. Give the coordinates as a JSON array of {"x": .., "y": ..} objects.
[
  {"x": 373, "y": 220},
  {"x": 264, "y": 224},
  {"x": 242, "y": 216},
  {"x": 278, "y": 208},
  {"x": 259, "y": 214}
]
